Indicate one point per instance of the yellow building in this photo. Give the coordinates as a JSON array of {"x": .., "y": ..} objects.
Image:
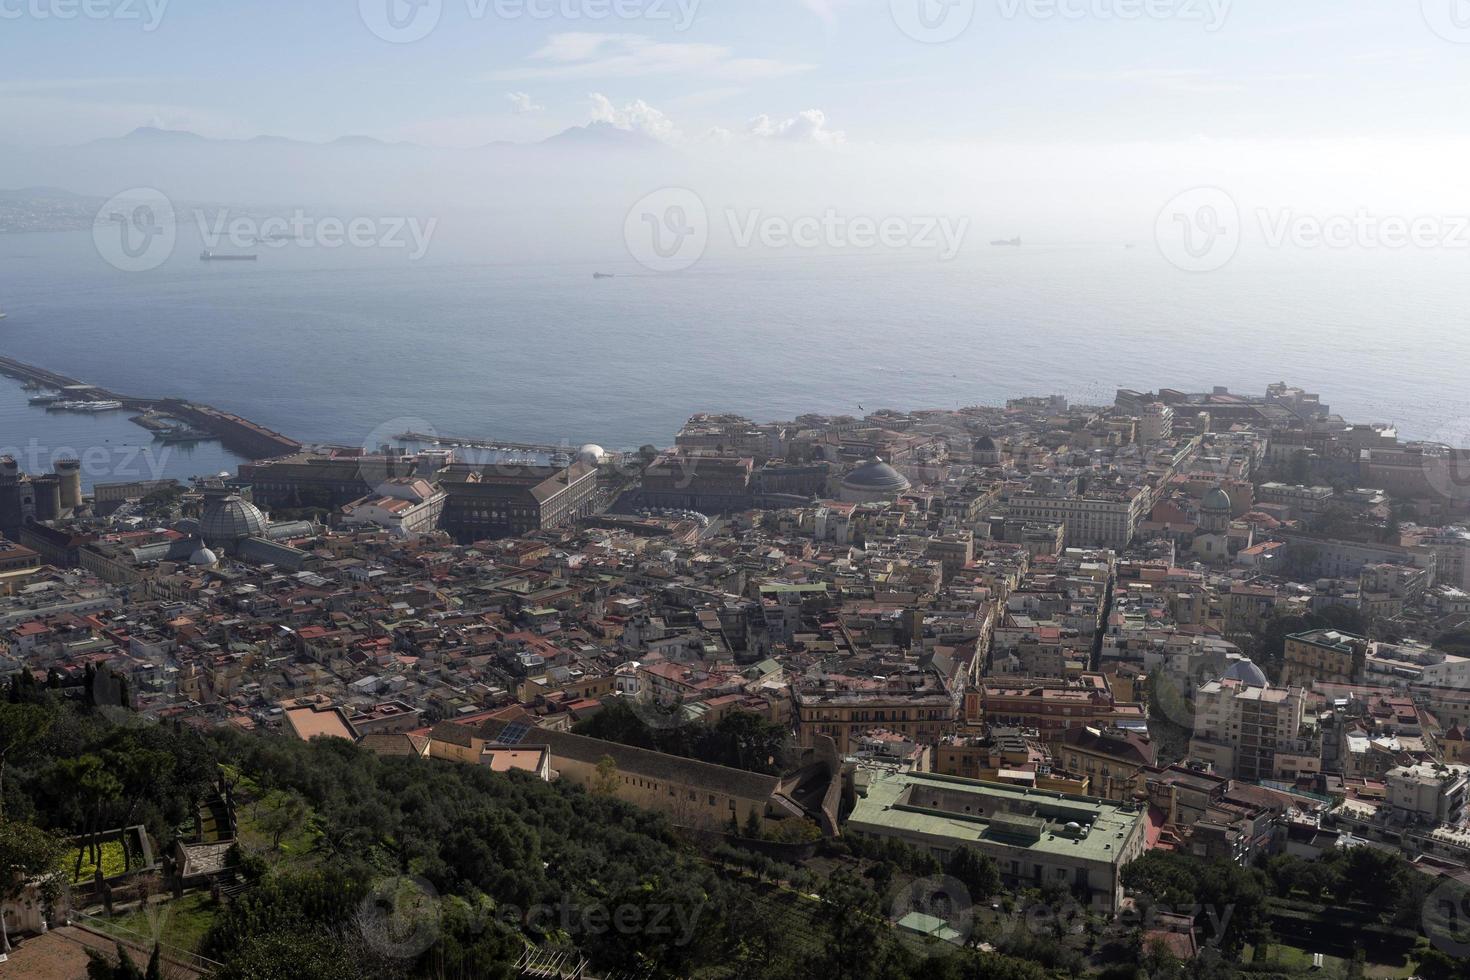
[{"x": 1324, "y": 655}]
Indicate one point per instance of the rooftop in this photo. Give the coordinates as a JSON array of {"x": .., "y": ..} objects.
[{"x": 1015, "y": 816}]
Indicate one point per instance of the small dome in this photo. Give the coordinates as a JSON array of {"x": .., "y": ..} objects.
[
  {"x": 1217, "y": 499},
  {"x": 203, "y": 557},
  {"x": 1247, "y": 673},
  {"x": 876, "y": 476},
  {"x": 230, "y": 518},
  {"x": 591, "y": 453},
  {"x": 984, "y": 444}
]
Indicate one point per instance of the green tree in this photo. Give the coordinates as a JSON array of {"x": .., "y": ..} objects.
[
  {"x": 21, "y": 726},
  {"x": 976, "y": 871},
  {"x": 605, "y": 782},
  {"x": 282, "y": 810},
  {"x": 27, "y": 854}
]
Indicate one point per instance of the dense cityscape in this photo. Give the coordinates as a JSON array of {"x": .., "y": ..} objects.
[{"x": 1178, "y": 684}]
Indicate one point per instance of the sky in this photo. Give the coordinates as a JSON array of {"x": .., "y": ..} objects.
[
  {"x": 1059, "y": 120},
  {"x": 883, "y": 73}
]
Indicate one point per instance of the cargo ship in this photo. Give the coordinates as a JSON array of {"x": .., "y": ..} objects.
[{"x": 208, "y": 256}]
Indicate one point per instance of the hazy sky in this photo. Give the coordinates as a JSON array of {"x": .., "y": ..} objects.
[{"x": 1032, "y": 71}]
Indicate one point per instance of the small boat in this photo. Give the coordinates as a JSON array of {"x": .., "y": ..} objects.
[
  {"x": 603, "y": 275},
  {"x": 3, "y": 314},
  {"x": 1007, "y": 242},
  {"x": 46, "y": 399},
  {"x": 208, "y": 256}
]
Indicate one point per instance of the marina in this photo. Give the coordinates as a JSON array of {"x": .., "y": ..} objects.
[{"x": 190, "y": 421}]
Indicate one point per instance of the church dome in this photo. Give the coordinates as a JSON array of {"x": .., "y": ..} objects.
[
  {"x": 229, "y": 519},
  {"x": 204, "y": 558},
  {"x": 1247, "y": 673},
  {"x": 876, "y": 476},
  {"x": 1217, "y": 499},
  {"x": 984, "y": 444}
]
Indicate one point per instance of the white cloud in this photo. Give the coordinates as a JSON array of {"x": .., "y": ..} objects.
[
  {"x": 809, "y": 126},
  {"x": 521, "y": 103},
  {"x": 573, "y": 55},
  {"x": 637, "y": 116}
]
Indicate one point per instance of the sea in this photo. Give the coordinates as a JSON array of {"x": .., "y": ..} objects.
[{"x": 354, "y": 346}]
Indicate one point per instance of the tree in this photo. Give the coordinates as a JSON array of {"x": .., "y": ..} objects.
[
  {"x": 100, "y": 967},
  {"x": 976, "y": 871},
  {"x": 27, "y": 854},
  {"x": 95, "y": 793},
  {"x": 605, "y": 782},
  {"x": 283, "y": 810},
  {"x": 21, "y": 725}
]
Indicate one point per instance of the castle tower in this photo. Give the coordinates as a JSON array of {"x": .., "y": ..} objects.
[{"x": 70, "y": 473}]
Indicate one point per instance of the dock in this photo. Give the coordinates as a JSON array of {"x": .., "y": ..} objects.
[
  {"x": 239, "y": 435},
  {"x": 498, "y": 445}
]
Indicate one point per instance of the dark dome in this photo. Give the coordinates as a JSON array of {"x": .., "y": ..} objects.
[
  {"x": 230, "y": 518},
  {"x": 876, "y": 475},
  {"x": 1247, "y": 673},
  {"x": 984, "y": 444},
  {"x": 1217, "y": 499}
]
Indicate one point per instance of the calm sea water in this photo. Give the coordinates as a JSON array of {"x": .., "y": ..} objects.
[
  {"x": 356, "y": 345},
  {"x": 110, "y": 448}
]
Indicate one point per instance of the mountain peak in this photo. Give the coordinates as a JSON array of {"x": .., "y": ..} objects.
[{"x": 603, "y": 134}]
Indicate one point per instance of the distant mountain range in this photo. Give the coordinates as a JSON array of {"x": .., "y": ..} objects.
[
  {"x": 593, "y": 135},
  {"x": 569, "y": 170}
]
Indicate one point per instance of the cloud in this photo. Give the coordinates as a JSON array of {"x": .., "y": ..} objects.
[
  {"x": 637, "y": 116},
  {"x": 521, "y": 103},
  {"x": 574, "y": 55},
  {"x": 809, "y": 126}
]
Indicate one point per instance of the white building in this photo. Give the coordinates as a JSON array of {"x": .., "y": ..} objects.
[
  {"x": 1428, "y": 793},
  {"x": 406, "y": 506},
  {"x": 1247, "y": 729}
]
